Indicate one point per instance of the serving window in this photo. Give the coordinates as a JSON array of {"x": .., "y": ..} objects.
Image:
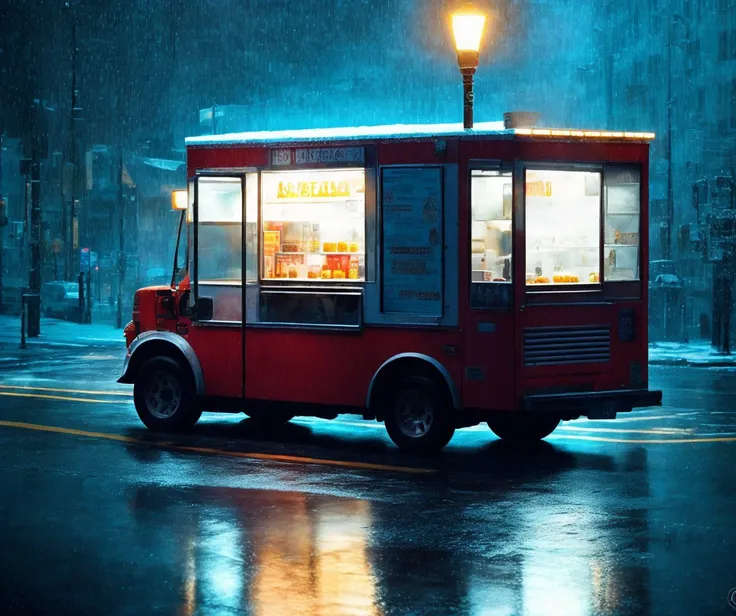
[
  {"x": 563, "y": 228},
  {"x": 313, "y": 225}
]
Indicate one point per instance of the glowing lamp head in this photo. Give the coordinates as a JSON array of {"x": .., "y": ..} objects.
[
  {"x": 179, "y": 200},
  {"x": 468, "y": 23}
]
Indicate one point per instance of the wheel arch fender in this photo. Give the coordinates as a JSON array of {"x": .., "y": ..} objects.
[
  {"x": 403, "y": 359},
  {"x": 150, "y": 344}
]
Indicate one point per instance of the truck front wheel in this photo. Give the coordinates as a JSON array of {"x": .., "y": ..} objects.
[
  {"x": 164, "y": 397},
  {"x": 417, "y": 415},
  {"x": 523, "y": 427}
]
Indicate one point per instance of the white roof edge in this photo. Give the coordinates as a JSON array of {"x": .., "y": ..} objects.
[{"x": 350, "y": 133}]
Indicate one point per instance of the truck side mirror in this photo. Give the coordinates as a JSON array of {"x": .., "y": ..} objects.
[{"x": 203, "y": 309}]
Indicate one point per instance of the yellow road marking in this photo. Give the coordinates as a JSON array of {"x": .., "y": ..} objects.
[
  {"x": 69, "y": 391},
  {"x": 66, "y": 398},
  {"x": 603, "y": 439},
  {"x": 219, "y": 452}
]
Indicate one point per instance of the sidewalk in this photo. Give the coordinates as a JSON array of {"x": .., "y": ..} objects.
[
  {"x": 58, "y": 333},
  {"x": 697, "y": 354}
]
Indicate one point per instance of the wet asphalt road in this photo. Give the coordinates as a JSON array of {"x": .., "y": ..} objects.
[{"x": 99, "y": 516}]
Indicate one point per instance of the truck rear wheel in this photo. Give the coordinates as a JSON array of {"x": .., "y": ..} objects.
[
  {"x": 417, "y": 415},
  {"x": 523, "y": 427},
  {"x": 164, "y": 397}
]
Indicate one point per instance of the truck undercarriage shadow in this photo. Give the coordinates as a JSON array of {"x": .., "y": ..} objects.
[{"x": 349, "y": 443}]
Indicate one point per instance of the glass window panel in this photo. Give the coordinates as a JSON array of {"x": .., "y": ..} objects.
[
  {"x": 220, "y": 200},
  {"x": 336, "y": 309},
  {"x": 314, "y": 225},
  {"x": 227, "y": 302},
  {"x": 220, "y": 253},
  {"x": 491, "y": 238},
  {"x": 622, "y": 230},
  {"x": 563, "y": 211}
]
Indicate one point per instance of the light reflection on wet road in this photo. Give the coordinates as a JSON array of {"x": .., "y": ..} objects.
[{"x": 639, "y": 523}]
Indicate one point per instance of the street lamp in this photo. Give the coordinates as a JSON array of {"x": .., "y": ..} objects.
[{"x": 467, "y": 28}]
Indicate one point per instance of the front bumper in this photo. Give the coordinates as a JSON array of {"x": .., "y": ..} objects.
[{"x": 593, "y": 404}]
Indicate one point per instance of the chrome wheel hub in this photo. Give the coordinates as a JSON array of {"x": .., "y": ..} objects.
[
  {"x": 415, "y": 413},
  {"x": 163, "y": 395}
]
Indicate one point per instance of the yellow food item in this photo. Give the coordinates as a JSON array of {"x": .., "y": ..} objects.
[
  {"x": 338, "y": 274},
  {"x": 594, "y": 277},
  {"x": 353, "y": 274},
  {"x": 541, "y": 280},
  {"x": 312, "y": 274},
  {"x": 330, "y": 247},
  {"x": 574, "y": 278},
  {"x": 353, "y": 247},
  {"x": 557, "y": 278},
  {"x": 342, "y": 247},
  {"x": 531, "y": 281},
  {"x": 326, "y": 274},
  {"x": 292, "y": 272}
]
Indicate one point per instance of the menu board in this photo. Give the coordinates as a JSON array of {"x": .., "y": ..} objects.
[{"x": 412, "y": 240}]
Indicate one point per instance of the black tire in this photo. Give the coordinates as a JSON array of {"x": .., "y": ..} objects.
[
  {"x": 164, "y": 396},
  {"x": 269, "y": 418},
  {"x": 418, "y": 415},
  {"x": 523, "y": 428}
]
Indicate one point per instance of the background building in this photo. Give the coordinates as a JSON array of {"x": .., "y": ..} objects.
[{"x": 148, "y": 74}]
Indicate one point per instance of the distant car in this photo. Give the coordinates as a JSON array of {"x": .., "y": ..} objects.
[
  {"x": 663, "y": 273},
  {"x": 60, "y": 300}
]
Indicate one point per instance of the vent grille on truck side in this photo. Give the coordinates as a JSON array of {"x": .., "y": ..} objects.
[{"x": 546, "y": 346}]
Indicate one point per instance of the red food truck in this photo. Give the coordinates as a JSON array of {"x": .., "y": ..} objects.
[{"x": 425, "y": 276}]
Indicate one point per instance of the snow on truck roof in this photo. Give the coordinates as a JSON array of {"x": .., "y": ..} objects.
[{"x": 406, "y": 131}]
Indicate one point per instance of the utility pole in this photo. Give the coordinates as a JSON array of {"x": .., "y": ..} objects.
[
  {"x": 72, "y": 242},
  {"x": 121, "y": 254},
  {"x": 38, "y": 143},
  {"x": 670, "y": 191},
  {"x": 3, "y": 215}
]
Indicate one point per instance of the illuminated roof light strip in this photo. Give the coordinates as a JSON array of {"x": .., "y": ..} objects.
[{"x": 556, "y": 132}]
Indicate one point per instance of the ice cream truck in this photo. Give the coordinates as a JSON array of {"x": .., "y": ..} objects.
[{"x": 429, "y": 277}]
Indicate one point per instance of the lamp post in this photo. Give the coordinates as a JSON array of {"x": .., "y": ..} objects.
[{"x": 468, "y": 23}]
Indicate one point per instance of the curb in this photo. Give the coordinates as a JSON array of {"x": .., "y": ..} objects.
[{"x": 690, "y": 364}]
